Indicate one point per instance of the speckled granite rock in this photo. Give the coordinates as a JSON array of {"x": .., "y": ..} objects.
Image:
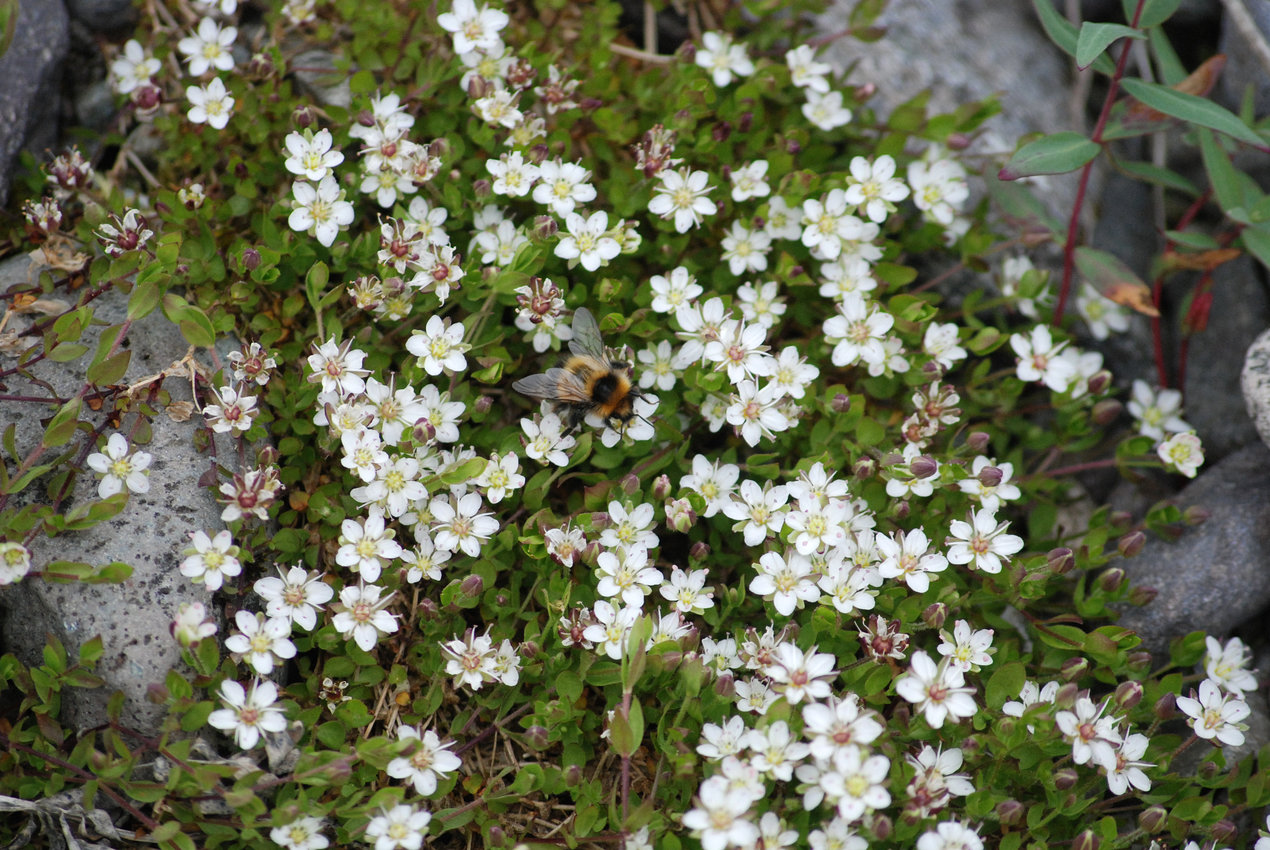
[
  {"x": 1254, "y": 382},
  {"x": 31, "y": 70},
  {"x": 133, "y": 617}
]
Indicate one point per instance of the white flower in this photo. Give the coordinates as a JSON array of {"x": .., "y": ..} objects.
[
  {"x": 363, "y": 453},
  {"x": 565, "y": 543},
  {"x": 781, "y": 222},
  {"x": 587, "y": 241},
  {"x": 776, "y": 752},
  {"x": 983, "y": 544},
  {"x": 499, "y": 109},
  {"x": 297, "y": 596},
  {"x": 798, "y": 675},
  {"x": 460, "y": 525},
  {"x": 424, "y": 559},
  {"x": 759, "y": 512},
  {"x": 1102, "y": 315},
  {"x": 1128, "y": 770},
  {"x": 939, "y": 189},
  {"x": 966, "y": 648},
  {"x": 513, "y": 176},
  {"x": 857, "y": 331},
  {"x": 838, "y": 724},
  {"x": 786, "y": 582},
  {"x": 950, "y": 835},
  {"x": 473, "y": 28},
  {"x": 1228, "y": 665},
  {"x": 827, "y": 224},
  {"x": 659, "y": 368},
  {"x": 1031, "y": 694},
  {"x": 394, "y": 488},
  {"x": 190, "y": 626},
  {"x": 120, "y": 470},
  {"x": 719, "y": 821},
  {"x": 1038, "y": 360},
  {"x": 682, "y": 194},
  {"x": 546, "y": 442},
  {"x": 209, "y": 47},
  {"x": 470, "y": 659},
  {"x": 311, "y": 156},
  {"x": 906, "y": 556},
  {"x": 399, "y": 828},
  {"x": 761, "y": 303},
  {"x": 501, "y": 474},
  {"x": 818, "y": 526},
  {"x": 1092, "y": 735},
  {"x": 611, "y": 628},
  {"x": 938, "y": 691},
  {"x": 133, "y": 68},
  {"x": 235, "y": 411},
  {"x": 320, "y": 212},
  {"x": 755, "y": 412},
  {"x": 688, "y": 591},
  {"x": 627, "y": 575},
  {"x": 940, "y": 342},
  {"x": 633, "y": 528},
  {"x": 726, "y": 740},
  {"x": 248, "y": 714},
  {"x": 367, "y": 546},
  {"x": 671, "y": 293},
  {"x": 718, "y": 55},
  {"x": 990, "y": 496},
  {"x": 826, "y": 110},
  {"x": 211, "y": 559},
  {"x": 792, "y": 374},
  {"x": 261, "y": 641},
  {"x": 424, "y": 760},
  {"x": 750, "y": 181},
  {"x": 360, "y": 615},
  {"x": 562, "y": 186},
  {"x": 439, "y": 346},
  {"x": 1156, "y": 413},
  {"x": 740, "y": 350},
  {"x": 338, "y": 367},
  {"x": 1182, "y": 452},
  {"x": 850, "y": 587},
  {"x": 745, "y": 250},
  {"x": 714, "y": 482},
  {"x": 304, "y": 833},
  {"x": 805, "y": 71},
  {"x": 874, "y": 187},
  {"x": 855, "y": 782},
  {"x": 1215, "y": 714}
]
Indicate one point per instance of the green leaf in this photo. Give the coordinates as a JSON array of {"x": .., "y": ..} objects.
[
  {"x": 1057, "y": 153},
  {"x": 65, "y": 352},
  {"x": 1196, "y": 110},
  {"x": 1063, "y": 33},
  {"x": 1148, "y": 173},
  {"x": 315, "y": 283},
  {"x": 1226, "y": 181},
  {"x": 62, "y": 426},
  {"x": 8, "y": 23},
  {"x": 110, "y": 370},
  {"x": 569, "y": 686},
  {"x": 1154, "y": 12},
  {"x": 1095, "y": 38},
  {"x": 193, "y": 322},
  {"x": 1115, "y": 280},
  {"x": 1256, "y": 238},
  {"x": 1005, "y": 684},
  {"x": 144, "y": 299}
]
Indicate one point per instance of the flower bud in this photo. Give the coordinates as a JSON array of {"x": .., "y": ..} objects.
[
  {"x": 957, "y": 142},
  {"x": 1061, "y": 560},
  {"x": 1121, "y": 521},
  {"x": 721, "y": 131},
  {"x": 1153, "y": 819},
  {"x": 1065, "y": 779},
  {"x": 302, "y": 116},
  {"x": 864, "y": 92},
  {"x": 661, "y": 487},
  {"x": 923, "y": 466},
  {"x": 1166, "y": 707},
  {"x": 680, "y": 515},
  {"x": 978, "y": 442},
  {"x": 1073, "y": 668},
  {"x": 538, "y": 154},
  {"x": 497, "y": 836},
  {"x": 590, "y": 554},
  {"x": 482, "y": 188},
  {"x": 793, "y": 146},
  {"x": 1111, "y": 580},
  {"x": 1106, "y": 411},
  {"x": 601, "y": 520},
  {"x": 590, "y": 104},
  {"x": 536, "y": 736},
  {"x": 529, "y": 650},
  {"x": 1223, "y": 832},
  {"x": 423, "y": 431},
  {"x": 865, "y": 468},
  {"x": 1138, "y": 662},
  {"x": 544, "y": 227},
  {"x": 935, "y": 615},
  {"x": 629, "y": 483},
  {"x": 932, "y": 370},
  {"x": 1195, "y": 515},
  {"x": 157, "y": 693},
  {"x": 572, "y": 776},
  {"x": 484, "y": 404},
  {"x": 427, "y": 609},
  {"x": 240, "y": 170},
  {"x": 841, "y": 403},
  {"x": 478, "y": 87},
  {"x": 725, "y": 685},
  {"x": 745, "y": 122},
  {"x": 990, "y": 476},
  {"x": 1208, "y": 770},
  {"x": 472, "y": 586},
  {"x": 1128, "y": 694},
  {"x": 1010, "y": 812},
  {"x": 146, "y": 98},
  {"x": 1140, "y": 594},
  {"x": 901, "y": 511},
  {"x": 1099, "y": 383},
  {"x": 1087, "y": 840},
  {"x": 699, "y": 551},
  {"x": 1131, "y": 544},
  {"x": 1067, "y": 695},
  {"x": 881, "y": 827}
]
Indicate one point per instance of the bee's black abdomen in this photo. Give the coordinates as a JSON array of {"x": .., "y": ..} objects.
[{"x": 602, "y": 389}]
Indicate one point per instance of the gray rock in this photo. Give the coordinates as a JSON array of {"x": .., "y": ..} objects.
[
  {"x": 1214, "y": 402},
  {"x": 31, "y": 70},
  {"x": 133, "y": 617},
  {"x": 1254, "y": 381},
  {"x": 1243, "y": 69},
  {"x": 1217, "y": 575},
  {"x": 317, "y": 76},
  {"x": 106, "y": 16},
  {"x": 965, "y": 50}
]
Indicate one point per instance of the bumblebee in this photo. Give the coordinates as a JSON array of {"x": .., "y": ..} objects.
[{"x": 588, "y": 381}]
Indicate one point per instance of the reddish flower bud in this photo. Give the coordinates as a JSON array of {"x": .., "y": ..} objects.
[
  {"x": 978, "y": 442},
  {"x": 484, "y": 404},
  {"x": 990, "y": 476},
  {"x": 1223, "y": 832},
  {"x": 630, "y": 484},
  {"x": 865, "y": 468},
  {"x": 1061, "y": 560},
  {"x": 935, "y": 615},
  {"x": 721, "y": 131},
  {"x": 303, "y": 116},
  {"x": 882, "y": 827},
  {"x": 1087, "y": 840},
  {"x": 866, "y": 91},
  {"x": 841, "y": 403},
  {"x": 1073, "y": 668},
  {"x": 1195, "y": 515},
  {"x": 537, "y": 737},
  {"x": 1138, "y": 662},
  {"x": 923, "y": 466},
  {"x": 1111, "y": 579},
  {"x": 472, "y": 586},
  {"x": 1140, "y": 595},
  {"x": 1065, "y": 779},
  {"x": 1128, "y": 694},
  {"x": 901, "y": 511},
  {"x": 1131, "y": 544},
  {"x": 1106, "y": 411},
  {"x": 725, "y": 685},
  {"x": 1166, "y": 707},
  {"x": 699, "y": 551},
  {"x": 661, "y": 487},
  {"x": 1153, "y": 819},
  {"x": 957, "y": 142},
  {"x": 1010, "y": 812}
]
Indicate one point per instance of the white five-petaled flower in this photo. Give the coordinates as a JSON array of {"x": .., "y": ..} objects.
[
  {"x": 714, "y": 482},
  {"x": 1091, "y": 732},
  {"x": 338, "y": 367},
  {"x": 950, "y": 835},
  {"x": 587, "y": 241},
  {"x": 874, "y": 187},
  {"x": 1215, "y": 714},
  {"x": 982, "y": 543},
  {"x": 501, "y": 475},
  {"x": 562, "y": 186},
  {"x": 321, "y": 211},
  {"x": 133, "y": 68},
  {"x": 367, "y": 546},
  {"x": 261, "y": 641},
  {"x": 546, "y": 441},
  {"x": 439, "y": 346},
  {"x": 424, "y": 761},
  {"x": 677, "y": 290},
  {"x": 610, "y": 628},
  {"x": 248, "y": 713},
  {"x": 209, "y": 47},
  {"x": 303, "y": 833},
  {"x": 755, "y": 411},
  {"x": 745, "y": 250},
  {"x": 1182, "y": 452},
  {"x": 799, "y": 675},
  {"x": 310, "y": 154},
  {"x": 966, "y": 648},
  {"x": 906, "y": 556},
  {"x": 1156, "y": 413},
  {"x": 233, "y": 412},
  {"x": 361, "y": 616},
  {"x": 939, "y": 691},
  {"x": 1128, "y": 770},
  {"x": 858, "y": 331},
  {"x": 190, "y": 626},
  {"x": 120, "y": 470},
  {"x": 939, "y": 188},
  {"x": 513, "y": 176},
  {"x": 627, "y": 575},
  {"x": 720, "y": 820},
  {"x": 682, "y": 194},
  {"x": 1039, "y": 360},
  {"x": 827, "y": 110},
  {"x": 722, "y": 58},
  {"x": 805, "y": 71},
  {"x": 459, "y": 524},
  {"x": 473, "y": 28},
  {"x": 211, "y": 104},
  {"x": 1228, "y": 665},
  {"x": 400, "y": 828},
  {"x": 786, "y": 581},
  {"x": 211, "y": 559},
  {"x": 297, "y": 595}
]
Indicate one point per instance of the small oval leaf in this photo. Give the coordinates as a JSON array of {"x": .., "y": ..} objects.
[{"x": 1057, "y": 153}]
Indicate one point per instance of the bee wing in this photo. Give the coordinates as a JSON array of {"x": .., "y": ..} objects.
[
  {"x": 586, "y": 336},
  {"x": 554, "y": 385}
]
